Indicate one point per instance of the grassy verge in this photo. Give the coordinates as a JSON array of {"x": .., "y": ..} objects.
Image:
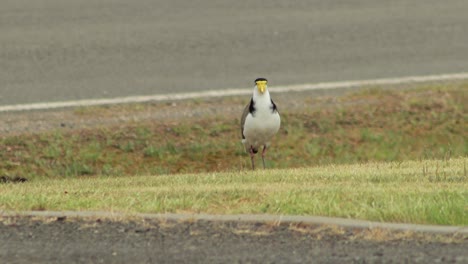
[
  {"x": 428, "y": 191},
  {"x": 429, "y": 122},
  {"x": 384, "y": 155}
]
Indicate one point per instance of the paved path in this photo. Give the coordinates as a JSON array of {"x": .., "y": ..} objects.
[{"x": 53, "y": 50}]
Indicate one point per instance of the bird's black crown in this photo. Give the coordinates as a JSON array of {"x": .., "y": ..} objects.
[{"x": 260, "y": 79}]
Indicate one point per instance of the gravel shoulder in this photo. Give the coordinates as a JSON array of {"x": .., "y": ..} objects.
[{"x": 164, "y": 112}]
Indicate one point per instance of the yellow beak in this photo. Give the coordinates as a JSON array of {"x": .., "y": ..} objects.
[{"x": 261, "y": 86}]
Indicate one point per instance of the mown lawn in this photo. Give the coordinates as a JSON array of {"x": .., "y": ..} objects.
[{"x": 427, "y": 192}]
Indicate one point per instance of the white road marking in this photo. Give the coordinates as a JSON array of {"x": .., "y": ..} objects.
[{"x": 231, "y": 92}]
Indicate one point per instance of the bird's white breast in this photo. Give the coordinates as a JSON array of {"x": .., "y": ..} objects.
[{"x": 262, "y": 125}]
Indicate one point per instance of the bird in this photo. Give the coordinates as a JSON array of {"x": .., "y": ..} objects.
[{"x": 260, "y": 121}]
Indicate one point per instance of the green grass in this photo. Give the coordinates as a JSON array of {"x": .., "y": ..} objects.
[{"x": 428, "y": 191}]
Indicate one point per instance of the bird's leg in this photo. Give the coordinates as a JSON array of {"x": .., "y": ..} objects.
[
  {"x": 263, "y": 155},
  {"x": 252, "y": 155}
]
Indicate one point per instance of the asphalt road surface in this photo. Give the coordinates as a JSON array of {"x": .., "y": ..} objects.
[
  {"x": 62, "y": 240},
  {"x": 54, "y": 50}
]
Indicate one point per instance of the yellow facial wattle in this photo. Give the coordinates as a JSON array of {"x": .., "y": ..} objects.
[{"x": 261, "y": 86}]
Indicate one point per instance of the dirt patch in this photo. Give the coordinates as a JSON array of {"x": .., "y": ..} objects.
[{"x": 15, "y": 179}]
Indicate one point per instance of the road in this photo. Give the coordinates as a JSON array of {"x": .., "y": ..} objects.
[
  {"x": 78, "y": 240},
  {"x": 53, "y": 50}
]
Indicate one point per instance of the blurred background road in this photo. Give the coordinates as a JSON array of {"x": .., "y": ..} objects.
[{"x": 54, "y": 50}]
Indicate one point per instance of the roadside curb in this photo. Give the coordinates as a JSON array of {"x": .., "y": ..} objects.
[{"x": 317, "y": 220}]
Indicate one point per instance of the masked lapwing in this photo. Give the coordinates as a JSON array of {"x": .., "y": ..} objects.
[{"x": 260, "y": 121}]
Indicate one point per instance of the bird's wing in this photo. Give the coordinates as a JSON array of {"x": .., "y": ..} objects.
[
  {"x": 273, "y": 106},
  {"x": 249, "y": 108}
]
